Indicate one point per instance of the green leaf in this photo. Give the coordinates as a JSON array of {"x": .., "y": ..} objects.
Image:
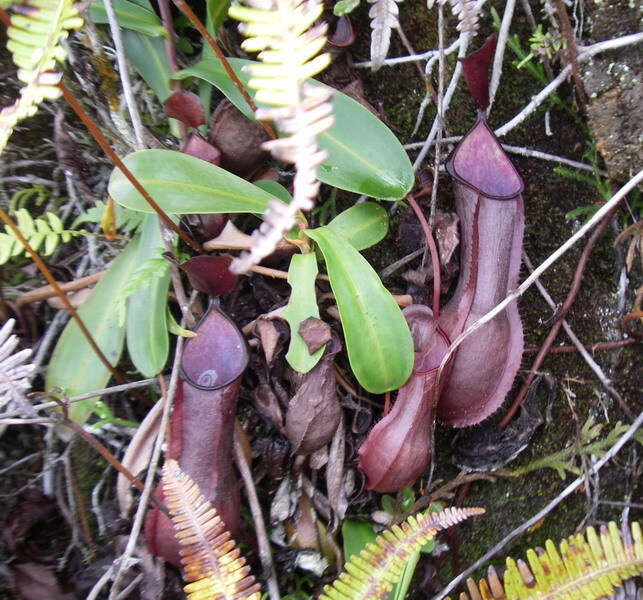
[
  {"x": 182, "y": 184},
  {"x": 147, "y": 338},
  {"x": 217, "y": 12},
  {"x": 129, "y": 15},
  {"x": 74, "y": 366},
  {"x": 343, "y": 7},
  {"x": 274, "y": 188},
  {"x": 302, "y": 304},
  {"x": 364, "y": 156},
  {"x": 356, "y": 535},
  {"x": 378, "y": 340},
  {"x": 147, "y": 55},
  {"x": 362, "y": 225}
]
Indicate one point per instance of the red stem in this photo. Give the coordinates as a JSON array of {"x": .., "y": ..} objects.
[{"x": 435, "y": 260}]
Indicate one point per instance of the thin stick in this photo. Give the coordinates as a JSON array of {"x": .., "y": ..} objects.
[
  {"x": 187, "y": 11},
  {"x": 560, "y": 315},
  {"x": 110, "y": 390},
  {"x": 579, "y": 347},
  {"x": 572, "y": 54},
  {"x": 52, "y": 282},
  {"x": 111, "y": 459},
  {"x": 104, "y": 144},
  {"x": 265, "y": 556},
  {"x": 596, "y": 347},
  {"x": 124, "y": 74},
  {"x": 586, "y": 54},
  {"x": 440, "y": 116},
  {"x": 501, "y": 44},
  {"x": 598, "y": 216},
  {"x": 570, "y": 489},
  {"x": 47, "y": 291},
  {"x": 465, "y": 37},
  {"x": 435, "y": 260},
  {"x": 168, "y": 399}
]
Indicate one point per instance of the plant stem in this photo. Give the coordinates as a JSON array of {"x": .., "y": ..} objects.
[
  {"x": 104, "y": 144},
  {"x": 435, "y": 259},
  {"x": 189, "y": 13}
]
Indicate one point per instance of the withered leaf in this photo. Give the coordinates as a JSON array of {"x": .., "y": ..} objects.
[
  {"x": 315, "y": 333},
  {"x": 314, "y": 411}
]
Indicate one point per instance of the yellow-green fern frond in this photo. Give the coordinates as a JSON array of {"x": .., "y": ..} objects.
[
  {"x": 372, "y": 574},
  {"x": 37, "y": 28},
  {"x": 586, "y": 568},
  {"x": 280, "y": 30},
  {"x": 212, "y": 563},
  {"x": 288, "y": 43}
]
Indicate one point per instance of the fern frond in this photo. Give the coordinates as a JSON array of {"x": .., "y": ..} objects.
[
  {"x": 47, "y": 230},
  {"x": 211, "y": 561},
  {"x": 383, "y": 16},
  {"x": 587, "y": 568},
  {"x": 372, "y": 574},
  {"x": 37, "y": 28},
  {"x": 468, "y": 13},
  {"x": 288, "y": 44}
]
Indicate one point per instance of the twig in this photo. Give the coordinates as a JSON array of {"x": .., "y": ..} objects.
[
  {"x": 560, "y": 315},
  {"x": 104, "y": 144},
  {"x": 168, "y": 399},
  {"x": 440, "y": 118},
  {"x": 579, "y": 347},
  {"x": 465, "y": 36},
  {"x": 189, "y": 13},
  {"x": 586, "y": 54},
  {"x": 48, "y": 291},
  {"x": 265, "y": 556},
  {"x": 527, "y": 283},
  {"x": 566, "y": 28},
  {"x": 124, "y": 74},
  {"x": 571, "y": 488},
  {"x": 590, "y": 348},
  {"x": 110, "y": 390},
  {"x": 390, "y": 62},
  {"x": 501, "y": 44}
]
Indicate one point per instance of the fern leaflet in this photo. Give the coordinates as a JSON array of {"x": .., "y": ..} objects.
[
  {"x": 587, "y": 568},
  {"x": 37, "y": 28},
  {"x": 282, "y": 32},
  {"x": 211, "y": 561},
  {"x": 383, "y": 16},
  {"x": 372, "y": 574},
  {"x": 48, "y": 230}
]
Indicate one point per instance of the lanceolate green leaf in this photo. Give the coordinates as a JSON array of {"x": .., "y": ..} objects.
[
  {"x": 363, "y": 154},
  {"x": 147, "y": 55},
  {"x": 378, "y": 340},
  {"x": 129, "y": 15},
  {"x": 182, "y": 184},
  {"x": 74, "y": 366},
  {"x": 302, "y": 304},
  {"x": 147, "y": 337},
  {"x": 362, "y": 225}
]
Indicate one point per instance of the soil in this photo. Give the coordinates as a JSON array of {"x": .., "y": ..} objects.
[{"x": 606, "y": 295}]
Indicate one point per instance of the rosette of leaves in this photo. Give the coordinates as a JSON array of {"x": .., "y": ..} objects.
[
  {"x": 37, "y": 29},
  {"x": 288, "y": 43}
]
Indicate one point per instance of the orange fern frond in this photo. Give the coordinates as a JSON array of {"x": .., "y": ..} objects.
[
  {"x": 212, "y": 563},
  {"x": 587, "y": 568}
]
